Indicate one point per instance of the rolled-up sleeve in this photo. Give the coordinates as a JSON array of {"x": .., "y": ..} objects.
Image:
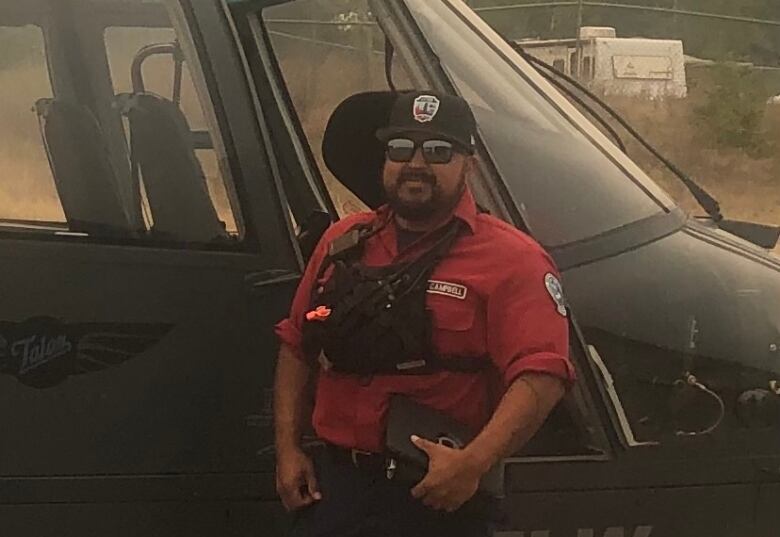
[{"x": 526, "y": 332}]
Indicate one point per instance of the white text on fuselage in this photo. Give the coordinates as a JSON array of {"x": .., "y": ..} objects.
[{"x": 35, "y": 351}]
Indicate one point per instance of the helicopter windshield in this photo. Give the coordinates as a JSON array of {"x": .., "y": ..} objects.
[{"x": 570, "y": 182}]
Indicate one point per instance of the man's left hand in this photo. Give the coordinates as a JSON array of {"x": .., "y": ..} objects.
[{"x": 452, "y": 478}]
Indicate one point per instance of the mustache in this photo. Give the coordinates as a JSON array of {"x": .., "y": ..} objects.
[{"x": 422, "y": 176}]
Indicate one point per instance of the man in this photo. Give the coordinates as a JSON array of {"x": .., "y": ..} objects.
[{"x": 457, "y": 290}]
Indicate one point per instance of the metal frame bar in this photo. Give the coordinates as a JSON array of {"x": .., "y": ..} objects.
[
  {"x": 320, "y": 42},
  {"x": 303, "y": 189},
  {"x": 201, "y": 27},
  {"x": 136, "y": 69},
  {"x": 318, "y": 23}
]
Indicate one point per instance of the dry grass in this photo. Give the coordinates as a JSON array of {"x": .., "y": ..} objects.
[{"x": 747, "y": 186}]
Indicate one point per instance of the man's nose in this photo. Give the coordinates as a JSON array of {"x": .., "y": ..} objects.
[{"x": 418, "y": 161}]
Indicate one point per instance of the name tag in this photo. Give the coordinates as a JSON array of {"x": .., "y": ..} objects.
[{"x": 453, "y": 290}]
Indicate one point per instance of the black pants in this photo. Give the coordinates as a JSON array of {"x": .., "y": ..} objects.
[{"x": 360, "y": 503}]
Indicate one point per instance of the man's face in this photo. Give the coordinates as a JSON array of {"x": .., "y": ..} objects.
[{"x": 417, "y": 190}]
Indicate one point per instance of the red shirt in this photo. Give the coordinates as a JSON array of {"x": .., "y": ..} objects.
[{"x": 488, "y": 298}]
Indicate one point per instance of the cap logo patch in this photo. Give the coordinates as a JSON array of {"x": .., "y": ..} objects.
[
  {"x": 453, "y": 290},
  {"x": 555, "y": 289},
  {"x": 425, "y": 108}
]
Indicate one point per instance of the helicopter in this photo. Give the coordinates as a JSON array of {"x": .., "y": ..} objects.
[{"x": 168, "y": 166}]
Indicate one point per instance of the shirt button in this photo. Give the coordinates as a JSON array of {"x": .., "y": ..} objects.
[{"x": 365, "y": 380}]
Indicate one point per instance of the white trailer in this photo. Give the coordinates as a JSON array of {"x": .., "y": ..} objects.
[{"x": 638, "y": 67}]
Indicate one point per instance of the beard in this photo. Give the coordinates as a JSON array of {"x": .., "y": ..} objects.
[{"x": 419, "y": 207}]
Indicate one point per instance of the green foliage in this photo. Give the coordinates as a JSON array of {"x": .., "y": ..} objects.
[{"x": 733, "y": 109}]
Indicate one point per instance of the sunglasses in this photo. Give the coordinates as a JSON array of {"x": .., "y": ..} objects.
[{"x": 433, "y": 151}]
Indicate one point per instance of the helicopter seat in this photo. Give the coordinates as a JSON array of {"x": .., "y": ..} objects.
[
  {"x": 350, "y": 147},
  {"x": 163, "y": 154},
  {"x": 84, "y": 176}
]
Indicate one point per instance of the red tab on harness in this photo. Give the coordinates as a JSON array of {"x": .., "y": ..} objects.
[{"x": 319, "y": 314}]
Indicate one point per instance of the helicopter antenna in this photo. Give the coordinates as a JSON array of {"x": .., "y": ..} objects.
[{"x": 389, "y": 55}]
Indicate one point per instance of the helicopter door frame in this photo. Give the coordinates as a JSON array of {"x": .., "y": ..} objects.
[
  {"x": 253, "y": 165},
  {"x": 304, "y": 184}
]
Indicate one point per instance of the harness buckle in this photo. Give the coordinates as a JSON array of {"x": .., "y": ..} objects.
[
  {"x": 390, "y": 468},
  {"x": 406, "y": 366},
  {"x": 345, "y": 243}
]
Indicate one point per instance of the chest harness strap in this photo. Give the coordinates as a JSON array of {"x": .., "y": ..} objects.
[{"x": 374, "y": 320}]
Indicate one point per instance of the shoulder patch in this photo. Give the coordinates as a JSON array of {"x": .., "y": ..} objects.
[{"x": 555, "y": 289}]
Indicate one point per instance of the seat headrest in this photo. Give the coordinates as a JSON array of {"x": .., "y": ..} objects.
[
  {"x": 350, "y": 148},
  {"x": 84, "y": 175}
]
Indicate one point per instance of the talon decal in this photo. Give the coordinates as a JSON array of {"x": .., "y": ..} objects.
[{"x": 43, "y": 352}]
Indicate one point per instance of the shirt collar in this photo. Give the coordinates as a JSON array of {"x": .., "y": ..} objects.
[{"x": 466, "y": 209}]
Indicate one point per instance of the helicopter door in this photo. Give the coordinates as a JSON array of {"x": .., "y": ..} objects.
[{"x": 142, "y": 272}]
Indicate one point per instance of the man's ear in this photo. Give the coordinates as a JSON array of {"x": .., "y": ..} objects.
[{"x": 470, "y": 165}]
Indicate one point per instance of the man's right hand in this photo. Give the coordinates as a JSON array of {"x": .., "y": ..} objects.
[{"x": 296, "y": 483}]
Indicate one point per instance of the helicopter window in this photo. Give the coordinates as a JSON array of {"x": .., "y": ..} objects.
[
  {"x": 70, "y": 169},
  {"x": 158, "y": 71},
  {"x": 327, "y": 52},
  {"x": 28, "y": 196}
]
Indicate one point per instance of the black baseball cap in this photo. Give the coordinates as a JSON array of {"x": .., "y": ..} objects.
[{"x": 447, "y": 117}]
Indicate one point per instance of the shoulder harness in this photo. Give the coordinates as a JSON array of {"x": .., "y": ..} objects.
[{"x": 373, "y": 320}]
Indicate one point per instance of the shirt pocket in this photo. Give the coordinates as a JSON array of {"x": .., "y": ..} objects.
[
  {"x": 452, "y": 314},
  {"x": 455, "y": 328}
]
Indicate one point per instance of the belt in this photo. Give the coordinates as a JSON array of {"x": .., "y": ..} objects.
[
  {"x": 383, "y": 464},
  {"x": 364, "y": 460}
]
